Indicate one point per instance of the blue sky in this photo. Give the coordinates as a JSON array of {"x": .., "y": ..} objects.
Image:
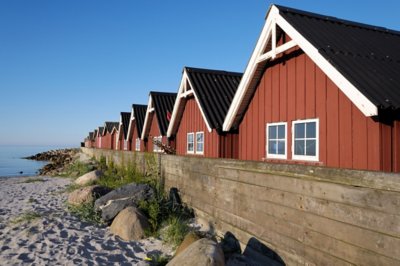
[{"x": 67, "y": 66}]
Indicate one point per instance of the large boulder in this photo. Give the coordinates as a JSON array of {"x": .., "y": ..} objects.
[
  {"x": 115, "y": 201},
  {"x": 189, "y": 239},
  {"x": 86, "y": 194},
  {"x": 89, "y": 178},
  {"x": 202, "y": 252},
  {"x": 130, "y": 224}
]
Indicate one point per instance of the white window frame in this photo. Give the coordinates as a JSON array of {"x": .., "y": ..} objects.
[
  {"x": 195, "y": 140},
  {"x": 155, "y": 147},
  {"x": 306, "y": 157},
  {"x": 137, "y": 144},
  {"x": 275, "y": 156},
  {"x": 187, "y": 143}
]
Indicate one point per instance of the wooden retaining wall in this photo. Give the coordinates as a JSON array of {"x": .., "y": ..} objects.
[{"x": 306, "y": 214}]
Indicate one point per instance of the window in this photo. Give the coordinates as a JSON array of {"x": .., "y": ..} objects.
[
  {"x": 190, "y": 143},
  {"x": 137, "y": 144},
  {"x": 157, "y": 148},
  {"x": 199, "y": 142},
  {"x": 276, "y": 140},
  {"x": 305, "y": 140}
]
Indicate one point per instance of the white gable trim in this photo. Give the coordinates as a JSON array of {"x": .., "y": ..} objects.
[
  {"x": 183, "y": 92},
  {"x": 358, "y": 99},
  {"x": 147, "y": 120},
  {"x": 131, "y": 121},
  {"x": 273, "y": 19}
]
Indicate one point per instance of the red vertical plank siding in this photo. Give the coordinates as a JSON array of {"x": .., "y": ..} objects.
[
  {"x": 261, "y": 120},
  {"x": 282, "y": 92},
  {"x": 134, "y": 135},
  {"x": 215, "y": 146},
  {"x": 320, "y": 108},
  {"x": 360, "y": 141},
  {"x": 345, "y": 133},
  {"x": 396, "y": 146},
  {"x": 385, "y": 141},
  {"x": 374, "y": 146},
  {"x": 154, "y": 132},
  {"x": 275, "y": 88},
  {"x": 297, "y": 89},
  {"x": 310, "y": 88},
  {"x": 332, "y": 124},
  {"x": 300, "y": 87}
]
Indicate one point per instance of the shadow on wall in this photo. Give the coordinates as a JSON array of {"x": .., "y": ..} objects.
[{"x": 255, "y": 252}]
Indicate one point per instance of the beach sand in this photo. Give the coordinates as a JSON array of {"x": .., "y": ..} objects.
[{"x": 36, "y": 229}]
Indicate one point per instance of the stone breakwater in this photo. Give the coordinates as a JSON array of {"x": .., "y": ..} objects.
[{"x": 57, "y": 159}]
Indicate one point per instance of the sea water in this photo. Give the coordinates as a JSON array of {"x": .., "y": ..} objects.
[{"x": 12, "y": 164}]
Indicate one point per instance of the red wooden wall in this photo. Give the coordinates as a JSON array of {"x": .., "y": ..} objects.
[
  {"x": 215, "y": 145},
  {"x": 154, "y": 132},
  {"x": 296, "y": 89},
  {"x": 106, "y": 141}
]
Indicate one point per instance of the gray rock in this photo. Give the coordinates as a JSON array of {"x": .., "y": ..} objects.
[
  {"x": 115, "y": 201},
  {"x": 89, "y": 178},
  {"x": 202, "y": 252},
  {"x": 86, "y": 194},
  {"x": 130, "y": 224}
]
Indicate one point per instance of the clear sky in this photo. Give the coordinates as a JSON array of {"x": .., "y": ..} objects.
[{"x": 67, "y": 66}]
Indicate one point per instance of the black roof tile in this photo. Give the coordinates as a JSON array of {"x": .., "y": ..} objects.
[
  {"x": 368, "y": 56},
  {"x": 139, "y": 110},
  {"x": 101, "y": 131},
  {"x": 215, "y": 90},
  {"x": 110, "y": 125},
  {"x": 163, "y": 103},
  {"x": 125, "y": 117},
  {"x": 91, "y": 134}
]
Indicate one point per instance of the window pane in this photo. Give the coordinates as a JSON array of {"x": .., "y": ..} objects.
[
  {"x": 190, "y": 146},
  {"x": 299, "y": 147},
  {"x": 299, "y": 130},
  {"x": 199, "y": 147},
  {"x": 281, "y": 132},
  {"x": 190, "y": 137},
  {"x": 281, "y": 147},
  {"x": 311, "y": 147},
  {"x": 272, "y": 132},
  {"x": 199, "y": 137},
  {"x": 311, "y": 130},
  {"x": 272, "y": 147}
]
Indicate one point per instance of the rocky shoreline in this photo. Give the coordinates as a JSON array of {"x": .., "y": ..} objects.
[{"x": 58, "y": 160}]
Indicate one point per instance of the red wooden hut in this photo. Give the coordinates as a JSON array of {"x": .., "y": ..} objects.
[
  {"x": 204, "y": 97},
  {"x": 135, "y": 127},
  {"x": 98, "y": 137},
  {"x": 89, "y": 140},
  {"x": 320, "y": 90},
  {"x": 108, "y": 137},
  {"x": 156, "y": 121},
  {"x": 122, "y": 143}
]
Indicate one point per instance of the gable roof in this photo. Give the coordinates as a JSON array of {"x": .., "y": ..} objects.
[
  {"x": 137, "y": 116},
  {"x": 109, "y": 126},
  {"x": 140, "y": 113},
  {"x": 100, "y": 131},
  {"x": 91, "y": 134},
  {"x": 161, "y": 104},
  {"x": 95, "y": 133},
  {"x": 362, "y": 60},
  {"x": 213, "y": 91},
  {"x": 125, "y": 117}
]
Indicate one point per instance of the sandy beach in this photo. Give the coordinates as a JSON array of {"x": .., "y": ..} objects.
[{"x": 36, "y": 229}]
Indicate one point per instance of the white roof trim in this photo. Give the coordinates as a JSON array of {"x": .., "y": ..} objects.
[
  {"x": 147, "y": 123},
  {"x": 183, "y": 92},
  {"x": 274, "y": 18},
  {"x": 131, "y": 120}
]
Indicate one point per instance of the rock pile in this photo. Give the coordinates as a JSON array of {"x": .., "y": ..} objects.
[{"x": 57, "y": 159}]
